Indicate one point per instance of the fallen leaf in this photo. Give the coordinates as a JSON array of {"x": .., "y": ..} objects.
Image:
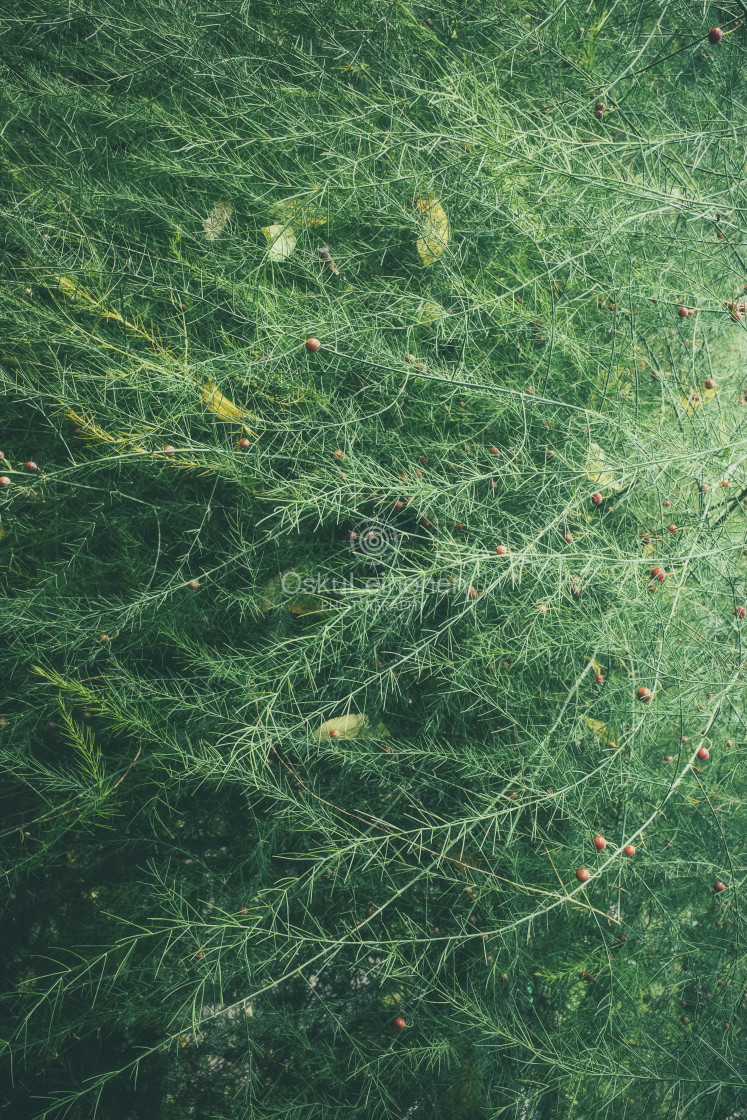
[
  {"x": 282, "y": 241},
  {"x": 435, "y": 230},
  {"x": 429, "y": 311},
  {"x": 217, "y": 220},
  {"x": 695, "y": 398},
  {"x": 596, "y": 470},
  {"x": 351, "y": 727},
  {"x": 602, "y": 731},
  {"x": 220, "y": 404}
]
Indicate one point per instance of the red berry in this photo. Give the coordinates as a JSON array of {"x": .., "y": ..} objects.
[
  {"x": 682, "y": 312},
  {"x": 725, "y": 483},
  {"x": 339, "y": 454},
  {"x": 399, "y": 505},
  {"x": 718, "y": 886},
  {"x": 629, "y": 850},
  {"x": 690, "y": 314},
  {"x": 4, "y": 481},
  {"x": 600, "y": 843},
  {"x": 244, "y": 443},
  {"x": 644, "y": 694},
  {"x": 399, "y": 1023},
  {"x": 668, "y": 758},
  {"x": 729, "y": 743},
  {"x": 715, "y": 35},
  {"x": 709, "y": 384},
  {"x": 719, "y": 235},
  {"x": 568, "y": 537},
  {"x": 741, "y": 612},
  {"x": 583, "y": 875},
  {"x": 661, "y": 575},
  {"x": 597, "y": 498},
  {"x": 501, "y": 549},
  {"x": 103, "y": 638},
  {"x": 312, "y": 345},
  {"x": 599, "y": 678},
  {"x": 168, "y": 450},
  {"x": 31, "y": 466},
  {"x": 703, "y": 487},
  {"x": 667, "y": 504},
  {"x": 702, "y": 753},
  {"x": 194, "y": 584},
  {"x": 494, "y": 451},
  {"x": 471, "y": 592},
  {"x": 334, "y": 733},
  {"x": 2, "y": 454},
  {"x": 725, "y": 1026},
  {"x": 599, "y": 114}
]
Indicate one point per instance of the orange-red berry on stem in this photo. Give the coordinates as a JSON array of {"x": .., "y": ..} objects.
[
  {"x": 629, "y": 850},
  {"x": 31, "y": 466},
  {"x": 4, "y": 480},
  {"x": 168, "y": 450},
  {"x": 600, "y": 843},
  {"x": 399, "y": 1023},
  {"x": 597, "y": 498},
  {"x": 644, "y": 694},
  {"x": 312, "y": 345},
  {"x": 703, "y": 754},
  {"x": 583, "y": 875},
  {"x": 718, "y": 886},
  {"x": 715, "y": 35},
  {"x": 501, "y": 549}
]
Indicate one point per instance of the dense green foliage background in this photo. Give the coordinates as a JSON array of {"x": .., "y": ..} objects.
[{"x": 211, "y": 906}]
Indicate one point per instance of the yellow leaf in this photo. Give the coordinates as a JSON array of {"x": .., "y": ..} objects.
[
  {"x": 435, "y": 230},
  {"x": 602, "y": 731},
  {"x": 220, "y": 404},
  {"x": 596, "y": 470},
  {"x": 429, "y": 311},
  {"x": 695, "y": 398},
  {"x": 350, "y": 727},
  {"x": 282, "y": 241}
]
